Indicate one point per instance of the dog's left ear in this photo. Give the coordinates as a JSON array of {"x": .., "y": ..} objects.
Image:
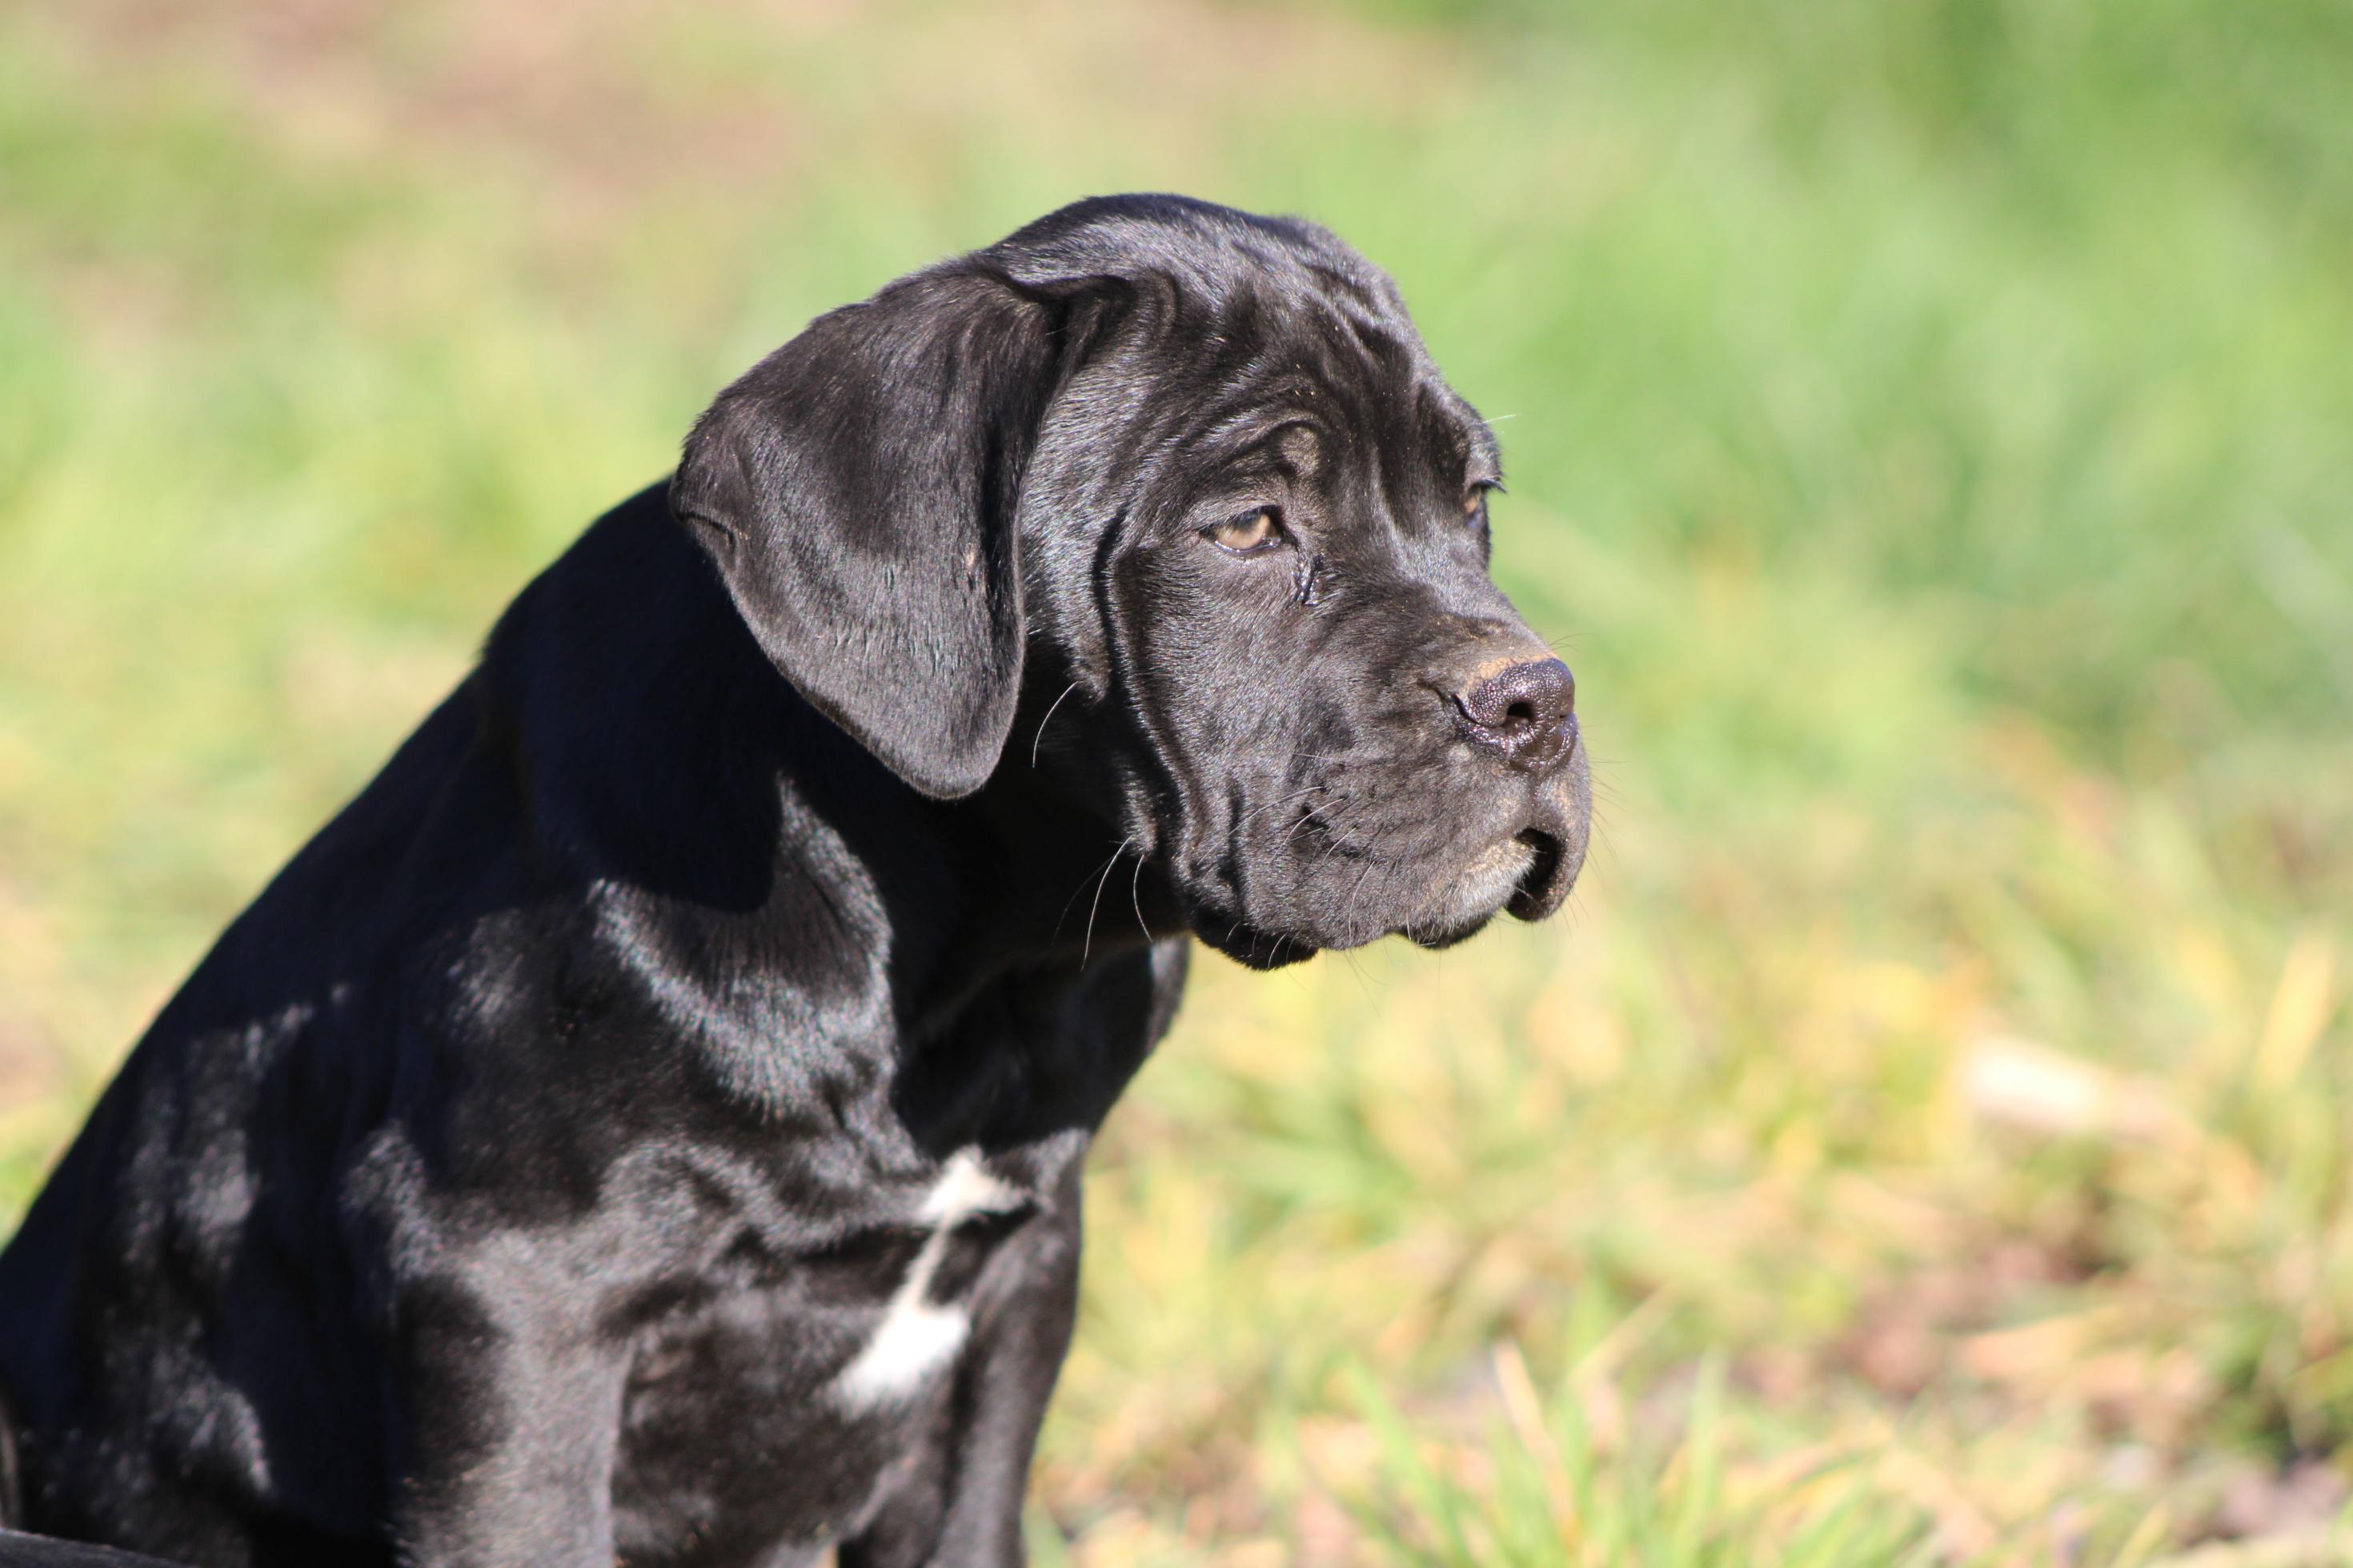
[{"x": 857, "y": 490}]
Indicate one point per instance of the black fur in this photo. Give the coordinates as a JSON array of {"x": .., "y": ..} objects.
[{"x": 520, "y": 1174}]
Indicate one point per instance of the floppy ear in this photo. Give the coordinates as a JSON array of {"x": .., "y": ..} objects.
[{"x": 857, "y": 490}]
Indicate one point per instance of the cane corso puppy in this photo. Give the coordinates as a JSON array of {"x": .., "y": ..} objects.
[{"x": 647, "y": 1123}]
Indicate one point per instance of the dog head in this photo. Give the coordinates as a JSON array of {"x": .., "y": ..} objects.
[{"x": 1179, "y": 490}]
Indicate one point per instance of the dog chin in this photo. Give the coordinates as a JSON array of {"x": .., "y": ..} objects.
[
  {"x": 1465, "y": 901},
  {"x": 1473, "y": 896},
  {"x": 1254, "y": 947},
  {"x": 1437, "y": 937}
]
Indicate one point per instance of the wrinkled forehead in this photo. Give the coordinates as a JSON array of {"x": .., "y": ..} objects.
[
  {"x": 1323, "y": 373},
  {"x": 1259, "y": 340}
]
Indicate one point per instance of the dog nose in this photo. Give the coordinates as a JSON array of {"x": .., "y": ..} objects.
[{"x": 1527, "y": 714}]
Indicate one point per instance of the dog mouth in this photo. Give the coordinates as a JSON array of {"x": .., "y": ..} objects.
[
  {"x": 1501, "y": 868},
  {"x": 1527, "y": 874},
  {"x": 1473, "y": 897},
  {"x": 1352, "y": 882},
  {"x": 1522, "y": 874},
  {"x": 1542, "y": 887}
]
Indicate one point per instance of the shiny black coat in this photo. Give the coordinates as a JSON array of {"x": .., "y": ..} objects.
[{"x": 648, "y": 1121}]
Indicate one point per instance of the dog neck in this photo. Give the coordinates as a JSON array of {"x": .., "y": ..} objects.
[{"x": 656, "y": 754}]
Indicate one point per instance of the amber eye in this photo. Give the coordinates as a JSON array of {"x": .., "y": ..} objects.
[
  {"x": 1476, "y": 501},
  {"x": 1250, "y": 533}
]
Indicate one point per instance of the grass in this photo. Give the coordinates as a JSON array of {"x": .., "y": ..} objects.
[{"x": 1925, "y": 1138}]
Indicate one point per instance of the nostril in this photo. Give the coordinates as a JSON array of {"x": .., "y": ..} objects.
[
  {"x": 1539, "y": 691},
  {"x": 1526, "y": 711}
]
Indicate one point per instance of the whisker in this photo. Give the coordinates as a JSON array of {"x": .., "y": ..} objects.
[
  {"x": 1307, "y": 817},
  {"x": 1039, "y": 738},
  {"x": 1135, "y": 899},
  {"x": 1259, "y": 811},
  {"x": 1349, "y": 904},
  {"x": 1088, "y": 945},
  {"x": 1081, "y": 887},
  {"x": 1361, "y": 758}
]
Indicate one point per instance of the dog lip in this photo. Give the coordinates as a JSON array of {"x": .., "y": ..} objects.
[
  {"x": 1516, "y": 852},
  {"x": 1544, "y": 887},
  {"x": 1473, "y": 895}
]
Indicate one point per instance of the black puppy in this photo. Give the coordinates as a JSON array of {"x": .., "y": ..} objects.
[{"x": 647, "y": 1123}]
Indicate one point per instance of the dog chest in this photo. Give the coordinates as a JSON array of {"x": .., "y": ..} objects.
[{"x": 783, "y": 1409}]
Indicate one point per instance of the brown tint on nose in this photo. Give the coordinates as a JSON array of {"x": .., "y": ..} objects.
[{"x": 1525, "y": 712}]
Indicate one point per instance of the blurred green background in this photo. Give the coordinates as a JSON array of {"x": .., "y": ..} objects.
[{"x": 1930, "y": 429}]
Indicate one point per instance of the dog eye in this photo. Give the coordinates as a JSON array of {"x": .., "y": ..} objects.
[
  {"x": 1474, "y": 502},
  {"x": 1248, "y": 534}
]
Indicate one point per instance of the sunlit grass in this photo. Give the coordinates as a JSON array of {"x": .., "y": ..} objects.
[{"x": 1924, "y": 1138}]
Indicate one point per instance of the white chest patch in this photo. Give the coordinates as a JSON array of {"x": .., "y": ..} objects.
[{"x": 918, "y": 1336}]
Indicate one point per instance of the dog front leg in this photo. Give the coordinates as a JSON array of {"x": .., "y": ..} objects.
[
  {"x": 505, "y": 1437},
  {"x": 961, "y": 1506}
]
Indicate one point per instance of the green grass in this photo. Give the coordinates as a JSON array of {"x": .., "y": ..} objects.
[{"x": 1926, "y": 1137}]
